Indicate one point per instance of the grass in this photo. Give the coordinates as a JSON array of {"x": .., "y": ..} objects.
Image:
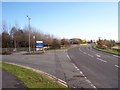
[
  {"x": 107, "y": 50},
  {"x": 30, "y": 78}
]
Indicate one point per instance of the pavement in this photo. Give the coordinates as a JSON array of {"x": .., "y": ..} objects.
[
  {"x": 99, "y": 67},
  {"x": 10, "y": 81}
]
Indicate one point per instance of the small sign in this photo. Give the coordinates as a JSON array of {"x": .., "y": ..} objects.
[{"x": 39, "y": 44}]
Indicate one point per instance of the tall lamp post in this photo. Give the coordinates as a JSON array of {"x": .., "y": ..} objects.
[
  {"x": 29, "y": 30},
  {"x": 34, "y": 42}
]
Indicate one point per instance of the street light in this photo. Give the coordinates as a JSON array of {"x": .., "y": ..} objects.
[
  {"x": 34, "y": 42},
  {"x": 29, "y": 31}
]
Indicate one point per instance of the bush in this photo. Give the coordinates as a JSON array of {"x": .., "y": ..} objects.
[
  {"x": 7, "y": 52},
  {"x": 56, "y": 44}
]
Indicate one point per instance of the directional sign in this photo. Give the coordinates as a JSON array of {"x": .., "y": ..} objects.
[{"x": 39, "y": 44}]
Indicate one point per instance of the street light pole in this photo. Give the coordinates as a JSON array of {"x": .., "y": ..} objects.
[
  {"x": 29, "y": 31},
  {"x": 34, "y": 42}
]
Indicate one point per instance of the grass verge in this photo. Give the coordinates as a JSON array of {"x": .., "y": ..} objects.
[
  {"x": 107, "y": 50},
  {"x": 30, "y": 78}
]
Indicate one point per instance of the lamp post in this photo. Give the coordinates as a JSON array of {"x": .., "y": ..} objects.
[
  {"x": 29, "y": 30},
  {"x": 34, "y": 42}
]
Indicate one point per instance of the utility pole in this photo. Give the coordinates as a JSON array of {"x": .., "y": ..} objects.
[{"x": 29, "y": 31}]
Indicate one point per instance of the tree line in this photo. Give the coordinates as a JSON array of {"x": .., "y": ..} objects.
[
  {"x": 106, "y": 43},
  {"x": 17, "y": 37}
]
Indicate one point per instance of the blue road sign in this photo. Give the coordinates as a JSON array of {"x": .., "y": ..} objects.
[{"x": 39, "y": 44}]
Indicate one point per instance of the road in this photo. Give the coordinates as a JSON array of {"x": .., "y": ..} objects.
[
  {"x": 56, "y": 63},
  {"x": 99, "y": 67},
  {"x": 80, "y": 67}
]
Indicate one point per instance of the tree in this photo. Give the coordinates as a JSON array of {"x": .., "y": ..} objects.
[
  {"x": 6, "y": 40},
  {"x": 64, "y": 42},
  {"x": 56, "y": 43}
]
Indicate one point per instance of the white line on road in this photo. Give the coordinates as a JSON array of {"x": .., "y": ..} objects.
[
  {"x": 80, "y": 49},
  {"x": 90, "y": 55},
  {"x": 98, "y": 55},
  {"x": 68, "y": 56},
  {"x": 79, "y": 69},
  {"x": 90, "y": 82},
  {"x": 117, "y": 66},
  {"x": 81, "y": 72},
  {"x": 84, "y": 52},
  {"x": 76, "y": 67},
  {"x": 101, "y": 60},
  {"x": 116, "y": 56}
]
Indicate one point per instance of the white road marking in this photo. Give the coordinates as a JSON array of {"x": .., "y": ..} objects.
[
  {"x": 68, "y": 56},
  {"x": 89, "y": 82},
  {"x": 101, "y": 60},
  {"x": 84, "y": 76},
  {"x": 90, "y": 55},
  {"x": 81, "y": 72},
  {"x": 117, "y": 66},
  {"x": 116, "y": 56},
  {"x": 76, "y": 67},
  {"x": 80, "y": 49},
  {"x": 84, "y": 52},
  {"x": 98, "y": 55}
]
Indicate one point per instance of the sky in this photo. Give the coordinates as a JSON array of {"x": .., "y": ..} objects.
[{"x": 85, "y": 20}]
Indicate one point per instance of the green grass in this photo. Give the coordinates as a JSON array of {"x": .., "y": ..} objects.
[
  {"x": 107, "y": 50},
  {"x": 30, "y": 78}
]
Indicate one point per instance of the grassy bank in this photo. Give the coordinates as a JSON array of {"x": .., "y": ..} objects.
[
  {"x": 107, "y": 50},
  {"x": 30, "y": 78}
]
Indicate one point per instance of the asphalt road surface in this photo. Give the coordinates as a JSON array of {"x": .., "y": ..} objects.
[
  {"x": 80, "y": 67},
  {"x": 56, "y": 63},
  {"x": 99, "y": 67}
]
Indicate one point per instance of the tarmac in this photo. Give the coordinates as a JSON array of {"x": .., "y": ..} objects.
[{"x": 11, "y": 81}]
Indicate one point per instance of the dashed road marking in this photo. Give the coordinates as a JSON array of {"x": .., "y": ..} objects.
[
  {"x": 90, "y": 55},
  {"x": 76, "y": 67},
  {"x": 117, "y": 66},
  {"x": 80, "y": 49},
  {"x": 116, "y": 56},
  {"x": 98, "y": 55},
  {"x": 84, "y": 52},
  {"x": 81, "y": 71},
  {"x": 101, "y": 60}
]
